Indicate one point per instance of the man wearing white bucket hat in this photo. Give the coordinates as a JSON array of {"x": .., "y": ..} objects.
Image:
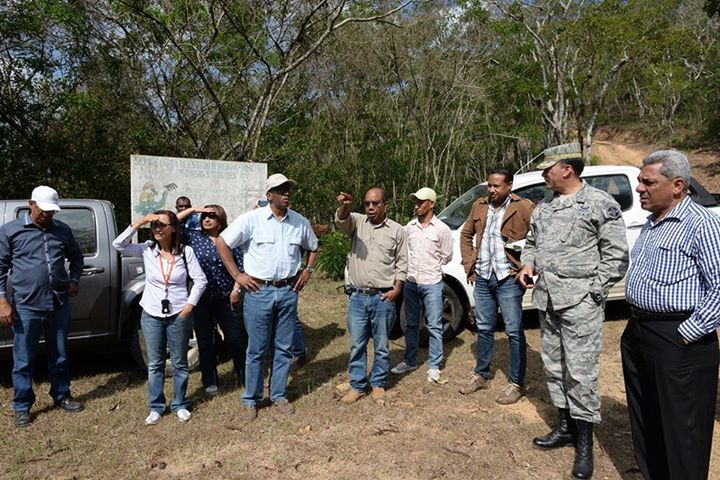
[{"x": 33, "y": 250}]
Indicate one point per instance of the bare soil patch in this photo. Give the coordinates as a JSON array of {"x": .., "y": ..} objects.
[
  {"x": 614, "y": 148},
  {"x": 425, "y": 431}
]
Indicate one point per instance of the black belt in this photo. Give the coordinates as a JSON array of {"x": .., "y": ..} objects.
[
  {"x": 641, "y": 314},
  {"x": 366, "y": 291},
  {"x": 278, "y": 283}
]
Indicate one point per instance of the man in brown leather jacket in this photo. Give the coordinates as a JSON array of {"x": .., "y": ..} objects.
[{"x": 492, "y": 262}]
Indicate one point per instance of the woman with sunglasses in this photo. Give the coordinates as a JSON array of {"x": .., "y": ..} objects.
[
  {"x": 218, "y": 303},
  {"x": 167, "y": 303}
]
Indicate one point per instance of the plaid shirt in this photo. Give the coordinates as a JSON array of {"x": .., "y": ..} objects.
[
  {"x": 675, "y": 267},
  {"x": 491, "y": 254}
]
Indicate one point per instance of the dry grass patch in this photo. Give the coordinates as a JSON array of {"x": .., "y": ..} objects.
[{"x": 425, "y": 431}]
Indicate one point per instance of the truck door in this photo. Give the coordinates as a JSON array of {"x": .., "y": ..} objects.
[{"x": 90, "y": 310}]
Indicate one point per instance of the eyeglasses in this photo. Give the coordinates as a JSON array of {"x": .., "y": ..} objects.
[
  {"x": 158, "y": 225},
  {"x": 373, "y": 203},
  {"x": 210, "y": 215}
]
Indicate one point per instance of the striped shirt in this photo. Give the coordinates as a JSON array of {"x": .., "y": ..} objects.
[
  {"x": 675, "y": 267},
  {"x": 491, "y": 254}
]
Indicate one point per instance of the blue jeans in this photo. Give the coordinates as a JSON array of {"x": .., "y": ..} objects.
[
  {"x": 270, "y": 311},
  {"x": 206, "y": 313},
  {"x": 427, "y": 298},
  {"x": 506, "y": 293},
  {"x": 27, "y": 328},
  {"x": 173, "y": 333},
  {"x": 298, "y": 344},
  {"x": 369, "y": 316}
]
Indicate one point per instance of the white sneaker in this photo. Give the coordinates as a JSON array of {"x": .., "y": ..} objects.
[
  {"x": 153, "y": 418},
  {"x": 212, "y": 390},
  {"x": 433, "y": 375},
  {"x": 183, "y": 415},
  {"x": 402, "y": 367}
]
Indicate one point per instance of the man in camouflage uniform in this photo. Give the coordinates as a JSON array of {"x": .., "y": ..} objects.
[{"x": 578, "y": 249}]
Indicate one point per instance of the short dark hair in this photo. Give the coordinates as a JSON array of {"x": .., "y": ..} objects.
[
  {"x": 505, "y": 172},
  {"x": 183, "y": 199},
  {"x": 577, "y": 164},
  {"x": 382, "y": 192}
]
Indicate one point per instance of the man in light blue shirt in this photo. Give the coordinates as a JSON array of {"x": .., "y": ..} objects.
[{"x": 273, "y": 238}]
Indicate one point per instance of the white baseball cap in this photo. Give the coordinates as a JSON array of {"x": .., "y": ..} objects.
[
  {"x": 46, "y": 198},
  {"x": 425, "y": 193},
  {"x": 277, "y": 179}
]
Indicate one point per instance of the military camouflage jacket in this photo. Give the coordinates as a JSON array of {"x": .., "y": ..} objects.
[{"x": 577, "y": 245}]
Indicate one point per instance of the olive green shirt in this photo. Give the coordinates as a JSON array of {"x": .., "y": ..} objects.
[{"x": 378, "y": 256}]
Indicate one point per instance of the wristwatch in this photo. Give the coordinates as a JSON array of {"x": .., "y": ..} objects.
[{"x": 309, "y": 269}]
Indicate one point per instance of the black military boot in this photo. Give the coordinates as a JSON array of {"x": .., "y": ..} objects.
[
  {"x": 583, "y": 466},
  {"x": 564, "y": 433}
]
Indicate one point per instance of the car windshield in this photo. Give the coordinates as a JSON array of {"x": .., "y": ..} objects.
[{"x": 457, "y": 212}]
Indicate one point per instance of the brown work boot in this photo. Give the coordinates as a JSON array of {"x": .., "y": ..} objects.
[
  {"x": 476, "y": 383},
  {"x": 284, "y": 406},
  {"x": 352, "y": 396},
  {"x": 378, "y": 395},
  {"x": 510, "y": 394},
  {"x": 249, "y": 413}
]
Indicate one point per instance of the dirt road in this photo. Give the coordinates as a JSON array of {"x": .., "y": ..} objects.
[{"x": 619, "y": 151}]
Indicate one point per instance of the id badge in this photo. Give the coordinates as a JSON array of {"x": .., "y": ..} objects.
[{"x": 165, "y": 305}]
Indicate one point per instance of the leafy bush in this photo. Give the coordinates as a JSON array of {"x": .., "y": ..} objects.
[{"x": 332, "y": 256}]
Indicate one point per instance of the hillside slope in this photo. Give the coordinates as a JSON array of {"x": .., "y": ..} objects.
[{"x": 619, "y": 151}]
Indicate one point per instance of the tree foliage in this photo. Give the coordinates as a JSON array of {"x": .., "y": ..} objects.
[{"x": 341, "y": 94}]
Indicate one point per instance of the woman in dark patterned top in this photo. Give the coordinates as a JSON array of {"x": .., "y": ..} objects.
[{"x": 221, "y": 301}]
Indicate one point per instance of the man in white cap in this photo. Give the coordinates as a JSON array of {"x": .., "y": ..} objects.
[
  {"x": 33, "y": 250},
  {"x": 273, "y": 238},
  {"x": 430, "y": 246}
]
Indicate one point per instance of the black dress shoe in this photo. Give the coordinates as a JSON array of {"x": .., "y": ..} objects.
[
  {"x": 70, "y": 405},
  {"x": 22, "y": 418}
]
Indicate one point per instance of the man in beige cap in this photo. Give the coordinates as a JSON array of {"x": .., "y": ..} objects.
[
  {"x": 33, "y": 250},
  {"x": 430, "y": 246},
  {"x": 273, "y": 239}
]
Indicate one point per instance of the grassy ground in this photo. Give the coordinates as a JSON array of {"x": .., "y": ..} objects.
[{"x": 426, "y": 431}]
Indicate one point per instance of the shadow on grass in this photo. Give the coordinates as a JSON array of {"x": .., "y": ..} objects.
[
  {"x": 85, "y": 364},
  {"x": 613, "y": 433},
  {"x": 613, "y": 436},
  {"x": 318, "y": 373}
]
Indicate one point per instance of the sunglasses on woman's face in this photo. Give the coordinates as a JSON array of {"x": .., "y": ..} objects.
[
  {"x": 210, "y": 215},
  {"x": 158, "y": 225}
]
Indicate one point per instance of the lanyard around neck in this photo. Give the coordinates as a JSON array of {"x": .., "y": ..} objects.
[{"x": 166, "y": 279}]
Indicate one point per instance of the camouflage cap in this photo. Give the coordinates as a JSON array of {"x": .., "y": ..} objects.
[{"x": 566, "y": 153}]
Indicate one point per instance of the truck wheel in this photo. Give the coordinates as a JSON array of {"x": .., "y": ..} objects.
[
  {"x": 453, "y": 315},
  {"x": 139, "y": 352}
]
